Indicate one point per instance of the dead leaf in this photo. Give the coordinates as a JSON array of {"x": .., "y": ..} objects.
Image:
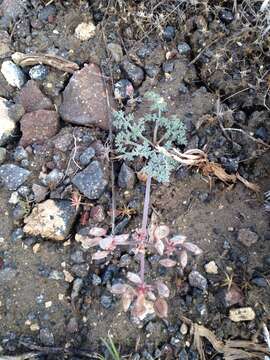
[
  {"x": 161, "y": 308},
  {"x": 167, "y": 262},
  {"x": 134, "y": 278},
  {"x": 192, "y": 248},
  {"x": 162, "y": 289},
  {"x": 183, "y": 258},
  {"x": 100, "y": 255},
  {"x": 96, "y": 231}
]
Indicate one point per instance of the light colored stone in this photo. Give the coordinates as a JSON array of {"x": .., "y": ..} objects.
[
  {"x": 247, "y": 237},
  {"x": 211, "y": 268},
  {"x": 116, "y": 52},
  {"x": 242, "y": 314},
  {"x": 7, "y": 124},
  {"x": 85, "y": 31},
  {"x": 51, "y": 219},
  {"x": 13, "y": 74}
]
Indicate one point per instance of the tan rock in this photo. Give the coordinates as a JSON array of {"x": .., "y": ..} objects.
[
  {"x": 242, "y": 314},
  {"x": 85, "y": 31}
]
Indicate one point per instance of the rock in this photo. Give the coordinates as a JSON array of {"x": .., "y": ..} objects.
[
  {"x": 211, "y": 268},
  {"x": 13, "y": 176},
  {"x": 183, "y": 48},
  {"x": 85, "y": 31},
  {"x": 133, "y": 72},
  {"x": 84, "y": 98},
  {"x": 24, "y": 191},
  {"x": 169, "y": 33},
  {"x": 51, "y": 219},
  {"x": 226, "y": 16},
  {"x": 152, "y": 70},
  {"x": 11, "y": 9},
  {"x": 7, "y": 123},
  {"x": 168, "y": 67},
  {"x": 53, "y": 179},
  {"x": 230, "y": 164},
  {"x": 4, "y": 44},
  {"x": 76, "y": 288},
  {"x": 262, "y": 133},
  {"x": 46, "y": 337},
  {"x": 125, "y": 260},
  {"x": 46, "y": 12},
  {"x": 126, "y": 177},
  {"x": 72, "y": 326},
  {"x": 182, "y": 89},
  {"x": 40, "y": 192},
  {"x": 183, "y": 355},
  {"x": 16, "y": 112},
  {"x": 13, "y": 74},
  {"x": 106, "y": 301},
  {"x": 32, "y": 99},
  {"x": 80, "y": 270},
  {"x": 266, "y": 261},
  {"x": 38, "y": 72},
  {"x": 242, "y": 314},
  {"x": 19, "y": 154},
  {"x": 197, "y": 280},
  {"x": 116, "y": 51},
  {"x": 87, "y": 156},
  {"x": 247, "y": 237},
  {"x": 3, "y": 154},
  {"x": 184, "y": 329},
  {"x": 77, "y": 257},
  {"x": 260, "y": 282},
  {"x": 123, "y": 90},
  {"x": 97, "y": 213},
  {"x": 96, "y": 280},
  {"x": 38, "y": 126},
  {"x": 7, "y": 274},
  {"x": 91, "y": 181}
]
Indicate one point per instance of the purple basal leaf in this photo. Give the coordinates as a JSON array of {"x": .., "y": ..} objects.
[
  {"x": 159, "y": 246},
  {"x": 151, "y": 296},
  {"x": 134, "y": 278},
  {"x": 121, "y": 239},
  {"x": 192, "y": 248},
  {"x": 127, "y": 298},
  {"x": 161, "y": 232},
  {"x": 100, "y": 255},
  {"x": 162, "y": 289},
  {"x": 161, "y": 308},
  {"x": 167, "y": 262},
  {"x": 96, "y": 231},
  {"x": 118, "y": 289},
  {"x": 139, "y": 306},
  {"x": 183, "y": 258},
  {"x": 178, "y": 239},
  {"x": 106, "y": 243}
]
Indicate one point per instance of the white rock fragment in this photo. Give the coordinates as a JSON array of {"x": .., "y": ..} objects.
[
  {"x": 116, "y": 51},
  {"x": 242, "y": 314},
  {"x": 13, "y": 74},
  {"x": 7, "y": 124},
  {"x": 85, "y": 31},
  {"x": 211, "y": 268}
]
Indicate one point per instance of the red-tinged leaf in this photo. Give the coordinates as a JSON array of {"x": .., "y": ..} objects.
[
  {"x": 107, "y": 243},
  {"x": 192, "y": 248},
  {"x": 161, "y": 308},
  {"x": 127, "y": 298},
  {"x": 96, "y": 231},
  {"x": 159, "y": 247},
  {"x": 118, "y": 289},
  {"x": 87, "y": 242},
  {"x": 161, "y": 232},
  {"x": 100, "y": 255},
  {"x": 139, "y": 306},
  {"x": 151, "y": 295},
  {"x": 167, "y": 262},
  {"x": 134, "y": 278},
  {"x": 178, "y": 239},
  {"x": 183, "y": 258},
  {"x": 121, "y": 239},
  {"x": 162, "y": 289}
]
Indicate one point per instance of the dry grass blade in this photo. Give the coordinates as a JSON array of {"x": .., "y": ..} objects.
[
  {"x": 198, "y": 158},
  {"x": 232, "y": 349}
]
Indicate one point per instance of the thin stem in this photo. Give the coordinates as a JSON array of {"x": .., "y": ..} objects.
[{"x": 144, "y": 225}]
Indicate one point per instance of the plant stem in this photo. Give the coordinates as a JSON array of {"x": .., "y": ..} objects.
[{"x": 144, "y": 224}]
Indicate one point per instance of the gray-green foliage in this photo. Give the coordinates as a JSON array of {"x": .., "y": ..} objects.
[{"x": 133, "y": 139}]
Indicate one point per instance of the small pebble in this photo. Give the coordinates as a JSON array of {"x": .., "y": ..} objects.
[
  {"x": 46, "y": 337},
  {"x": 3, "y": 154},
  {"x": 38, "y": 72},
  {"x": 106, "y": 301},
  {"x": 17, "y": 234},
  {"x": 123, "y": 90},
  {"x": 247, "y": 237},
  {"x": 226, "y": 16},
  {"x": 20, "y": 153},
  {"x": 197, "y": 280},
  {"x": 85, "y": 31},
  {"x": 184, "y": 329},
  {"x": 87, "y": 156},
  {"x": 13, "y": 74},
  {"x": 34, "y": 327},
  {"x": 211, "y": 268},
  {"x": 169, "y": 33},
  {"x": 242, "y": 314},
  {"x": 96, "y": 280},
  {"x": 183, "y": 48}
]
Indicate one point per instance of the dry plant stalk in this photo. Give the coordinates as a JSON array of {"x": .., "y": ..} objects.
[
  {"x": 231, "y": 349},
  {"x": 198, "y": 158},
  {"x": 52, "y": 60}
]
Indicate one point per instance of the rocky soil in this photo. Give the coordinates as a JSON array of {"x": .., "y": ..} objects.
[{"x": 65, "y": 66}]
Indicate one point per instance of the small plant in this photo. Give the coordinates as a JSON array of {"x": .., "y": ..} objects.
[
  {"x": 110, "y": 346},
  {"x": 142, "y": 138}
]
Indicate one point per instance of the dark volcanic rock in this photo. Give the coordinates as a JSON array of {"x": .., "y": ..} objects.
[
  {"x": 13, "y": 176},
  {"x": 84, "y": 98},
  {"x": 134, "y": 73},
  {"x": 38, "y": 126},
  {"x": 32, "y": 99},
  {"x": 91, "y": 181},
  {"x": 126, "y": 177}
]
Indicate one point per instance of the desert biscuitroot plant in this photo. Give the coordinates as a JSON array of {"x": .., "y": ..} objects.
[{"x": 140, "y": 139}]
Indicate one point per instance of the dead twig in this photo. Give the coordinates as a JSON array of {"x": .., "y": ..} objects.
[{"x": 52, "y": 60}]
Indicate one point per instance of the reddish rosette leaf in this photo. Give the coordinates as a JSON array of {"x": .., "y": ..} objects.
[
  {"x": 151, "y": 296},
  {"x": 159, "y": 246},
  {"x": 100, "y": 255},
  {"x": 161, "y": 232},
  {"x": 87, "y": 242},
  {"x": 162, "y": 289},
  {"x": 118, "y": 289},
  {"x": 107, "y": 243},
  {"x": 161, "y": 308},
  {"x": 139, "y": 308},
  {"x": 192, "y": 248},
  {"x": 121, "y": 239},
  {"x": 178, "y": 239},
  {"x": 183, "y": 258},
  {"x": 127, "y": 298},
  {"x": 96, "y": 231},
  {"x": 167, "y": 262},
  {"x": 134, "y": 278}
]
